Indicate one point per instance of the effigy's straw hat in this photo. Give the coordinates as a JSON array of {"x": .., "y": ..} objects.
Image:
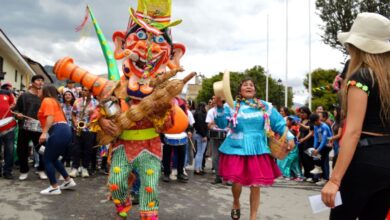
[
  {"x": 153, "y": 15},
  {"x": 222, "y": 89},
  {"x": 370, "y": 32}
]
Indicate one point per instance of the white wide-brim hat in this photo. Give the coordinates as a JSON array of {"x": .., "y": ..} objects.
[
  {"x": 370, "y": 32},
  {"x": 222, "y": 89}
]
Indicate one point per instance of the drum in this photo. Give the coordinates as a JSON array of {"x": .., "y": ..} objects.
[
  {"x": 176, "y": 139},
  {"x": 7, "y": 123},
  {"x": 32, "y": 125},
  {"x": 217, "y": 134}
]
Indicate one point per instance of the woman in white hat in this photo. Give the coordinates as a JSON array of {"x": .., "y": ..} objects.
[{"x": 362, "y": 171}]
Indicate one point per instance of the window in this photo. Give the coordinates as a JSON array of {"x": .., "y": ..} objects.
[
  {"x": 1, "y": 64},
  {"x": 16, "y": 75}
]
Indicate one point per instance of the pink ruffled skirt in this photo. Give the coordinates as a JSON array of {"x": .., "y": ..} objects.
[{"x": 256, "y": 170}]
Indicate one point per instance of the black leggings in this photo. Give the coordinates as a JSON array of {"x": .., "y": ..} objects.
[
  {"x": 167, "y": 155},
  {"x": 365, "y": 188}
]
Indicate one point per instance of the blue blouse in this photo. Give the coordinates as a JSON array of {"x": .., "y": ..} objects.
[{"x": 249, "y": 137}]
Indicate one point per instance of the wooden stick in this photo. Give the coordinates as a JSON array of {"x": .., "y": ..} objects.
[{"x": 24, "y": 116}]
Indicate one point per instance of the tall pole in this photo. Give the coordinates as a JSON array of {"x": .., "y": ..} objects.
[
  {"x": 267, "y": 71},
  {"x": 286, "y": 80},
  {"x": 310, "y": 89}
]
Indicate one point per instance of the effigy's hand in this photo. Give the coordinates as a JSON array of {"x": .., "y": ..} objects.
[{"x": 108, "y": 126}]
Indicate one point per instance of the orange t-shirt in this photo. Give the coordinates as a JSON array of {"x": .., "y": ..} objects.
[{"x": 50, "y": 106}]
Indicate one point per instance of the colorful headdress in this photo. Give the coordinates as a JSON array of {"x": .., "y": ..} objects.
[{"x": 153, "y": 15}]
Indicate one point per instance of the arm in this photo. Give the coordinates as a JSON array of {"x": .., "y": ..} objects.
[
  {"x": 45, "y": 130},
  {"x": 315, "y": 138},
  {"x": 338, "y": 135},
  {"x": 357, "y": 106},
  {"x": 309, "y": 135},
  {"x": 324, "y": 139}
]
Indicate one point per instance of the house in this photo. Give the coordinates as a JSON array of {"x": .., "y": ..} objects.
[{"x": 16, "y": 68}]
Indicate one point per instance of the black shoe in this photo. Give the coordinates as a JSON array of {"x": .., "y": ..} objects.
[
  {"x": 217, "y": 180},
  {"x": 134, "y": 198},
  {"x": 182, "y": 178},
  {"x": 166, "y": 178},
  {"x": 8, "y": 176}
]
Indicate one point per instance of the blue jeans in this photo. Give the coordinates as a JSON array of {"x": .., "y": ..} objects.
[
  {"x": 60, "y": 136},
  {"x": 200, "y": 148},
  {"x": 7, "y": 140}
]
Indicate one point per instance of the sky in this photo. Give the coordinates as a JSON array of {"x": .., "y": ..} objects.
[{"x": 218, "y": 35}]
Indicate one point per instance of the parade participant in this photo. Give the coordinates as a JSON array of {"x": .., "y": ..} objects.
[
  {"x": 84, "y": 138},
  {"x": 56, "y": 136},
  {"x": 7, "y": 128},
  {"x": 177, "y": 143},
  {"x": 29, "y": 128},
  {"x": 362, "y": 171},
  {"x": 322, "y": 147},
  {"x": 245, "y": 157},
  {"x": 305, "y": 141},
  {"x": 217, "y": 120},
  {"x": 200, "y": 136},
  {"x": 67, "y": 107},
  {"x": 134, "y": 109},
  {"x": 290, "y": 166}
]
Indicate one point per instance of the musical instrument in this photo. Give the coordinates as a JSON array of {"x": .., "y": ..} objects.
[
  {"x": 176, "y": 139},
  {"x": 7, "y": 123},
  {"x": 82, "y": 124},
  {"x": 31, "y": 124},
  {"x": 217, "y": 134}
]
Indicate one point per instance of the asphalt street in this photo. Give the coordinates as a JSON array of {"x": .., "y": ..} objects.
[{"x": 197, "y": 199}]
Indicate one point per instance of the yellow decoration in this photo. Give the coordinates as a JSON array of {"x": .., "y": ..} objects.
[
  {"x": 117, "y": 169},
  {"x": 151, "y": 204},
  {"x": 149, "y": 172},
  {"x": 117, "y": 201}
]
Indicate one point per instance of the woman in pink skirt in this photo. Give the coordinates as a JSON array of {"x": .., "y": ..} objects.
[{"x": 245, "y": 156}]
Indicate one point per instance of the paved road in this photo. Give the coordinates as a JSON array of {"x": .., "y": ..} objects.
[{"x": 197, "y": 199}]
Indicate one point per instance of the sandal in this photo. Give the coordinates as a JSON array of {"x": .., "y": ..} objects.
[{"x": 235, "y": 214}]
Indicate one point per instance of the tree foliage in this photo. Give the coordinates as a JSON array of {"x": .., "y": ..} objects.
[
  {"x": 276, "y": 91},
  {"x": 338, "y": 15},
  {"x": 322, "y": 78}
]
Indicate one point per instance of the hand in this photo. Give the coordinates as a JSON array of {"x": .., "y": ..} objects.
[
  {"x": 328, "y": 193},
  {"x": 315, "y": 152},
  {"x": 290, "y": 145},
  {"x": 204, "y": 139},
  {"x": 108, "y": 126},
  {"x": 300, "y": 140},
  {"x": 42, "y": 138},
  {"x": 19, "y": 115},
  {"x": 189, "y": 135}
]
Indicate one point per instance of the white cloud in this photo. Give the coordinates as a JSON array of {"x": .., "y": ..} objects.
[{"x": 218, "y": 35}]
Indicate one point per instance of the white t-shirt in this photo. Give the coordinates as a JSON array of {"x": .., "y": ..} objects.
[
  {"x": 191, "y": 120},
  {"x": 211, "y": 113}
]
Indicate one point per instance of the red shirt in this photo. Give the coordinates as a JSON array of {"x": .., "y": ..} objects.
[{"x": 6, "y": 101}]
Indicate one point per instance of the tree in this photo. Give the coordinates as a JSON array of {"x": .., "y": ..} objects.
[
  {"x": 338, "y": 15},
  {"x": 322, "y": 93},
  {"x": 276, "y": 91}
]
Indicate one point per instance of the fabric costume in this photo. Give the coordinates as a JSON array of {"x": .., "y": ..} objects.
[
  {"x": 145, "y": 108},
  {"x": 245, "y": 156}
]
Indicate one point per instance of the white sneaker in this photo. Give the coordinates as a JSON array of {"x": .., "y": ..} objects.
[
  {"x": 42, "y": 175},
  {"x": 68, "y": 184},
  {"x": 84, "y": 173},
  {"x": 61, "y": 178},
  {"x": 310, "y": 180},
  {"x": 316, "y": 170},
  {"x": 73, "y": 172},
  {"x": 173, "y": 175},
  {"x": 185, "y": 172},
  {"x": 321, "y": 182},
  {"x": 51, "y": 191},
  {"x": 23, "y": 176}
]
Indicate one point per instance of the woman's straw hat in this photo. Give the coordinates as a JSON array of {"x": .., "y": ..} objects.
[
  {"x": 370, "y": 33},
  {"x": 222, "y": 89}
]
